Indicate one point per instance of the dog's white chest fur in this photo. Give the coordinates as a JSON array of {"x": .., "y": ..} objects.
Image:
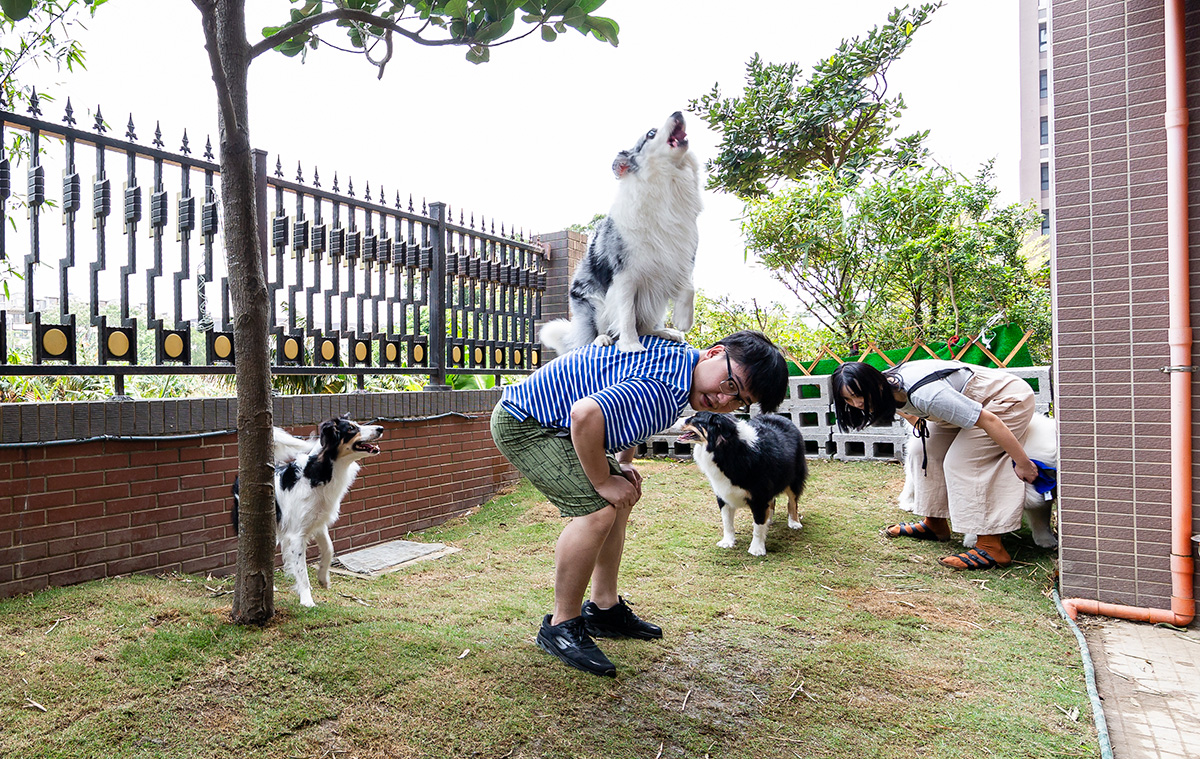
[{"x": 721, "y": 484}]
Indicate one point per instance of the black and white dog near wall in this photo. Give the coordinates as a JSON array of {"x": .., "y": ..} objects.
[
  {"x": 1041, "y": 443},
  {"x": 311, "y": 478},
  {"x": 640, "y": 257},
  {"x": 749, "y": 464}
]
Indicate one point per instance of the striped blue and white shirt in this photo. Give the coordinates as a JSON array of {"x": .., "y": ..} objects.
[{"x": 641, "y": 394}]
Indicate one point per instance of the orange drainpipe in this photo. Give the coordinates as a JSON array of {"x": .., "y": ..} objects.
[{"x": 1179, "y": 335}]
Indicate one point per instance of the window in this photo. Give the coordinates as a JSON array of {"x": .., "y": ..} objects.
[
  {"x": 1045, "y": 130},
  {"x": 1045, "y": 176},
  {"x": 1044, "y": 85},
  {"x": 1046, "y": 222},
  {"x": 1043, "y": 38}
]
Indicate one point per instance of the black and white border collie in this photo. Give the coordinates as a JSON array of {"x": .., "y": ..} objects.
[
  {"x": 311, "y": 478},
  {"x": 749, "y": 463}
]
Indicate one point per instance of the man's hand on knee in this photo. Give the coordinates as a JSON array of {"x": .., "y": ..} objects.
[{"x": 619, "y": 491}]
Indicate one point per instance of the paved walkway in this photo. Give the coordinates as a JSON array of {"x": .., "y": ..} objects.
[{"x": 1149, "y": 680}]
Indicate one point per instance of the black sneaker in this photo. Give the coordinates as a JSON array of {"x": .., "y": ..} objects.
[
  {"x": 617, "y": 622},
  {"x": 571, "y": 644}
]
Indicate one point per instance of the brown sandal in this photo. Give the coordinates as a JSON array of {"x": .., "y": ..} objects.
[
  {"x": 974, "y": 558},
  {"x": 917, "y": 530}
]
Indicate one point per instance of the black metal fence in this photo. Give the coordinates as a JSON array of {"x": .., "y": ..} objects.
[{"x": 359, "y": 285}]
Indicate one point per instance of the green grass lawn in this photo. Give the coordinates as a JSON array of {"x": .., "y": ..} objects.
[{"x": 838, "y": 643}]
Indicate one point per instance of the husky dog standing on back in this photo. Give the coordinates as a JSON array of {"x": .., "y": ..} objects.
[{"x": 641, "y": 255}]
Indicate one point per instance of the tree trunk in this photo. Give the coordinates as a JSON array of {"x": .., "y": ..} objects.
[{"x": 253, "y": 600}]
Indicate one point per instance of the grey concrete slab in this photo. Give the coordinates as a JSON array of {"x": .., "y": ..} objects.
[
  {"x": 1149, "y": 680},
  {"x": 388, "y": 557}
]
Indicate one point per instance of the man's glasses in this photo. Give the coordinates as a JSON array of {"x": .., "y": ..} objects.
[{"x": 730, "y": 386}]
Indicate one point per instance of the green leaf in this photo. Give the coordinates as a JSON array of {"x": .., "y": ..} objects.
[
  {"x": 457, "y": 8},
  {"x": 548, "y": 33},
  {"x": 494, "y": 10},
  {"x": 604, "y": 29},
  {"x": 16, "y": 10},
  {"x": 587, "y": 6},
  {"x": 574, "y": 17},
  {"x": 292, "y": 47},
  {"x": 493, "y": 32},
  {"x": 479, "y": 54}
]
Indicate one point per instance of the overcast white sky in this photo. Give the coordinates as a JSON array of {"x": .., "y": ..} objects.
[{"x": 529, "y": 137}]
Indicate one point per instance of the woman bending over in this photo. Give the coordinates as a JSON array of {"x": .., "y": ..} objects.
[{"x": 975, "y": 419}]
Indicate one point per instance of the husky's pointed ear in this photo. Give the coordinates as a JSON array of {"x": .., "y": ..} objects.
[{"x": 622, "y": 164}]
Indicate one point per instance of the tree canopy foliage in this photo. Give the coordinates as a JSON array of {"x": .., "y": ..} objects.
[
  {"x": 840, "y": 120},
  {"x": 719, "y": 317},
  {"x": 39, "y": 34},
  {"x": 869, "y": 232},
  {"x": 479, "y": 25},
  {"x": 919, "y": 253}
]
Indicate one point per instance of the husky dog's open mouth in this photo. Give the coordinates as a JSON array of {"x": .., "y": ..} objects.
[{"x": 678, "y": 136}]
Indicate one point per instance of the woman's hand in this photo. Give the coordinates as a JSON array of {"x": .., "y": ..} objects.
[{"x": 1026, "y": 470}]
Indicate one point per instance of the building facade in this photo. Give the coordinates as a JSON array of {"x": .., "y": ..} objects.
[{"x": 1119, "y": 347}]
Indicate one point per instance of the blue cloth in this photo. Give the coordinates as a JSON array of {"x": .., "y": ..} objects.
[
  {"x": 641, "y": 394},
  {"x": 1047, "y": 478}
]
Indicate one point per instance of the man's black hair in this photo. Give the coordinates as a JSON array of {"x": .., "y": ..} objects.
[
  {"x": 868, "y": 383},
  {"x": 765, "y": 366}
]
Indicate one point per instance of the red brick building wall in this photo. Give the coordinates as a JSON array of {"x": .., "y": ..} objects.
[
  {"x": 158, "y": 500},
  {"x": 1113, "y": 402},
  {"x": 567, "y": 249}
]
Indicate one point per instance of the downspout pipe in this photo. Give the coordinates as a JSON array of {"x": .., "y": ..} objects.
[{"x": 1179, "y": 336}]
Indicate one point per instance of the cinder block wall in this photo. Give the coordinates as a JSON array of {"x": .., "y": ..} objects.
[{"x": 158, "y": 499}]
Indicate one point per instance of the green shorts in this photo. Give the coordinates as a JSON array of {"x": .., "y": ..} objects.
[{"x": 549, "y": 461}]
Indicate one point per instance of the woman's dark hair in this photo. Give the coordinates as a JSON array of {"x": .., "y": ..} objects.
[
  {"x": 868, "y": 383},
  {"x": 766, "y": 368}
]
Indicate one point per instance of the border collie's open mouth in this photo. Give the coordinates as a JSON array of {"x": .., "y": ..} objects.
[
  {"x": 690, "y": 435},
  {"x": 365, "y": 447}
]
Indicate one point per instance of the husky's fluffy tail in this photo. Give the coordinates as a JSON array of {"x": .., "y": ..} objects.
[{"x": 562, "y": 335}]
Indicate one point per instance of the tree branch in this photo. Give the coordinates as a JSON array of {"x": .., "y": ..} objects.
[
  {"x": 224, "y": 102},
  {"x": 15, "y": 63},
  {"x": 347, "y": 14}
]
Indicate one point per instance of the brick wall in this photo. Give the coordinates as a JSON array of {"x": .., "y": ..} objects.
[
  {"x": 567, "y": 249},
  {"x": 1111, "y": 296},
  {"x": 159, "y": 500}
]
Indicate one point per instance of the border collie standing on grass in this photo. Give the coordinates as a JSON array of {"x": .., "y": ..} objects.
[
  {"x": 640, "y": 257},
  {"x": 749, "y": 463},
  {"x": 311, "y": 478}
]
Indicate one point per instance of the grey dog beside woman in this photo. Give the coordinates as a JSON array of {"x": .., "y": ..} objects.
[{"x": 973, "y": 420}]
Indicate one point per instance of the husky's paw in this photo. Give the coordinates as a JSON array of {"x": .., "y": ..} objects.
[
  {"x": 670, "y": 334},
  {"x": 631, "y": 347},
  {"x": 969, "y": 540},
  {"x": 758, "y": 549},
  {"x": 726, "y": 542},
  {"x": 306, "y": 600},
  {"x": 602, "y": 341},
  {"x": 794, "y": 524},
  {"x": 324, "y": 581},
  {"x": 1048, "y": 540}
]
